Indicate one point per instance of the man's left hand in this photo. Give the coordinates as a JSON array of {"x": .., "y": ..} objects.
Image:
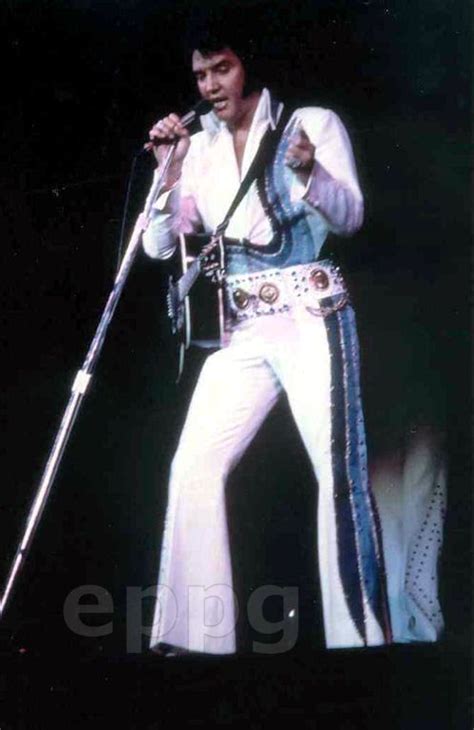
[{"x": 300, "y": 154}]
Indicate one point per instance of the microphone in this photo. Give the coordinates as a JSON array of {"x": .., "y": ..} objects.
[{"x": 202, "y": 107}]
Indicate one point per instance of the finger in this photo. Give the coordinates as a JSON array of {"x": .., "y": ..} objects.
[
  {"x": 174, "y": 128},
  {"x": 303, "y": 144},
  {"x": 294, "y": 163},
  {"x": 294, "y": 141},
  {"x": 299, "y": 132},
  {"x": 293, "y": 151},
  {"x": 303, "y": 134},
  {"x": 168, "y": 125},
  {"x": 180, "y": 131},
  {"x": 159, "y": 130},
  {"x": 174, "y": 122}
]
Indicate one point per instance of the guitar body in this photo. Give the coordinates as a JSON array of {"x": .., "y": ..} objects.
[{"x": 195, "y": 297}]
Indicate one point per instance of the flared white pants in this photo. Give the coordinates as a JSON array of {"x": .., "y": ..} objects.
[
  {"x": 410, "y": 486},
  {"x": 238, "y": 386}
]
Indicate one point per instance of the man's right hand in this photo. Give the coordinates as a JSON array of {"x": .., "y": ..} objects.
[{"x": 169, "y": 129}]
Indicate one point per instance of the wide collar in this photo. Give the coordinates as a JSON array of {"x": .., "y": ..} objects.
[{"x": 268, "y": 111}]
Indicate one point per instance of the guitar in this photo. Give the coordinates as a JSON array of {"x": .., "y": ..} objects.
[{"x": 201, "y": 268}]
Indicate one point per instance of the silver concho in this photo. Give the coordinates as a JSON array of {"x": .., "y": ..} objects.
[
  {"x": 269, "y": 293},
  {"x": 319, "y": 279}
]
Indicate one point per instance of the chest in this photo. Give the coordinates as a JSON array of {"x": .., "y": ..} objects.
[
  {"x": 239, "y": 141},
  {"x": 218, "y": 172}
]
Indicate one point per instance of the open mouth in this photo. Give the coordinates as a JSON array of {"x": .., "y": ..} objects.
[{"x": 219, "y": 104}]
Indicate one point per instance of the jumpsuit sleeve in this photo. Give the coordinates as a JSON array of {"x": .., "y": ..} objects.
[
  {"x": 175, "y": 211},
  {"x": 333, "y": 188}
]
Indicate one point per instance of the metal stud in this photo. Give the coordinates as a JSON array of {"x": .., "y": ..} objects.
[{"x": 241, "y": 298}]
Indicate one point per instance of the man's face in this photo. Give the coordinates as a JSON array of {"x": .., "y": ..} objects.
[{"x": 220, "y": 79}]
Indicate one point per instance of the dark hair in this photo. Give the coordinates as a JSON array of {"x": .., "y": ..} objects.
[{"x": 213, "y": 29}]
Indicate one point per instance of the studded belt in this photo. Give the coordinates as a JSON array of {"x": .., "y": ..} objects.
[{"x": 319, "y": 287}]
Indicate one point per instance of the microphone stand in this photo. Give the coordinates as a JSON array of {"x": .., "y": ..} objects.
[{"x": 80, "y": 385}]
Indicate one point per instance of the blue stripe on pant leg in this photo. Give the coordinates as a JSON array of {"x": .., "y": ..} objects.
[
  {"x": 371, "y": 543},
  {"x": 359, "y": 548},
  {"x": 349, "y": 569}
]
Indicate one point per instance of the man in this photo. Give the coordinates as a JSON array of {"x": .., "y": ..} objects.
[{"x": 290, "y": 328}]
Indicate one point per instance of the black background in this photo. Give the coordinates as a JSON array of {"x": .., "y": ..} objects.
[{"x": 82, "y": 83}]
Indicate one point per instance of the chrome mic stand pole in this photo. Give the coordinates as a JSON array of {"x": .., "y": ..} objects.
[{"x": 81, "y": 383}]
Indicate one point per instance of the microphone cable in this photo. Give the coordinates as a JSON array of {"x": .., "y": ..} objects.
[{"x": 126, "y": 206}]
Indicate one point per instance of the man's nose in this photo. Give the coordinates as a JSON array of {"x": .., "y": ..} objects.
[{"x": 211, "y": 84}]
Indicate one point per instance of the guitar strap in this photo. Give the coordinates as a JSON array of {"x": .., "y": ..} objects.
[
  {"x": 264, "y": 154},
  {"x": 178, "y": 292}
]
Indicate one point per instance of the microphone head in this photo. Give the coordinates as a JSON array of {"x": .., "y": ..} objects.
[{"x": 203, "y": 106}]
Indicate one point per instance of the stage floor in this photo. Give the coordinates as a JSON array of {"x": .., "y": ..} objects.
[{"x": 422, "y": 687}]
